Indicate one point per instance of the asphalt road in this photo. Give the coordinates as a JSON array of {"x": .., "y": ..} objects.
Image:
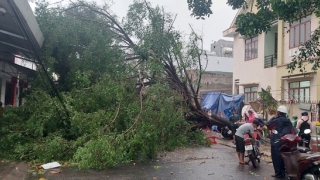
[{"x": 198, "y": 163}]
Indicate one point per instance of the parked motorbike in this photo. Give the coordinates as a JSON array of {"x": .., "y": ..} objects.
[
  {"x": 298, "y": 165},
  {"x": 252, "y": 149},
  {"x": 226, "y": 132}
]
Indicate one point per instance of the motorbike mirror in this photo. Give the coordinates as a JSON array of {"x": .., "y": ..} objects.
[
  {"x": 307, "y": 131},
  {"x": 274, "y": 131}
]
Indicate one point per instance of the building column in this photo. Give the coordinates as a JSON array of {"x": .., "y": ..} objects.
[
  {"x": 280, "y": 58},
  {"x": 14, "y": 82}
]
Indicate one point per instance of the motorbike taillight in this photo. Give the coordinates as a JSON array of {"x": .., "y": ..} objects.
[{"x": 248, "y": 142}]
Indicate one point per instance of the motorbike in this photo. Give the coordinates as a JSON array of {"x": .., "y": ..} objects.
[
  {"x": 252, "y": 149},
  {"x": 299, "y": 166},
  {"x": 226, "y": 132}
]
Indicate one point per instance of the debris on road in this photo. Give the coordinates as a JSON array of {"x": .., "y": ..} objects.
[{"x": 50, "y": 165}]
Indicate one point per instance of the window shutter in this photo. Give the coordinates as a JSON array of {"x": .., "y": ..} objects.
[
  {"x": 291, "y": 36},
  {"x": 302, "y": 33},
  {"x": 296, "y": 36},
  {"x": 308, "y": 30}
]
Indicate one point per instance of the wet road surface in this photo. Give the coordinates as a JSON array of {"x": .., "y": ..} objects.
[{"x": 201, "y": 163}]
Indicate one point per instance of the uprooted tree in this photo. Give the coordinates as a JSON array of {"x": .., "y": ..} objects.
[{"x": 125, "y": 88}]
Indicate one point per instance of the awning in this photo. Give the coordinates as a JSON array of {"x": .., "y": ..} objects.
[{"x": 19, "y": 30}]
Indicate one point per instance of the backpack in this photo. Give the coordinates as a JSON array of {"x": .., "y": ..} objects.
[{"x": 304, "y": 125}]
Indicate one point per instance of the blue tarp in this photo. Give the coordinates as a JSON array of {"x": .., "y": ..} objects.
[{"x": 221, "y": 102}]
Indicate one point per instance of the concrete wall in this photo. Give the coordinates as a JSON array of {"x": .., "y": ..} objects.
[
  {"x": 216, "y": 82},
  {"x": 214, "y": 63}
]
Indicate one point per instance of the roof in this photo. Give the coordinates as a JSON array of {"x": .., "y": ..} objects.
[
  {"x": 230, "y": 32},
  {"x": 19, "y": 30}
]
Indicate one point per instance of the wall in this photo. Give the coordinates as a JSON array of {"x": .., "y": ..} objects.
[
  {"x": 222, "y": 64},
  {"x": 285, "y": 56},
  {"x": 269, "y": 48},
  {"x": 216, "y": 82},
  {"x": 252, "y": 71}
]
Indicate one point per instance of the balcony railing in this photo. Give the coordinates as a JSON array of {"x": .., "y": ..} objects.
[{"x": 270, "y": 61}]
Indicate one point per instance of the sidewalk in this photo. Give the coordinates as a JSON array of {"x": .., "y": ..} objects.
[{"x": 13, "y": 170}]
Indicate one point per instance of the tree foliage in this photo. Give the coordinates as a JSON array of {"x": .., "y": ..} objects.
[{"x": 125, "y": 86}]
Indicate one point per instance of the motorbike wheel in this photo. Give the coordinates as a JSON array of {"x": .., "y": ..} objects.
[{"x": 253, "y": 160}]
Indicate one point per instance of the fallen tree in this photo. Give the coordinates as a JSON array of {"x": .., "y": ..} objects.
[{"x": 125, "y": 87}]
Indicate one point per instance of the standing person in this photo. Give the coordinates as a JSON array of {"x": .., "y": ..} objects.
[
  {"x": 294, "y": 120},
  {"x": 303, "y": 124},
  {"x": 247, "y": 128},
  {"x": 251, "y": 116},
  {"x": 233, "y": 119},
  {"x": 283, "y": 126}
]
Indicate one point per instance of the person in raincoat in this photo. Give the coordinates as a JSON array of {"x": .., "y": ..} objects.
[{"x": 282, "y": 125}]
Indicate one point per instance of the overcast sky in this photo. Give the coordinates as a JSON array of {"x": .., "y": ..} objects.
[{"x": 211, "y": 27}]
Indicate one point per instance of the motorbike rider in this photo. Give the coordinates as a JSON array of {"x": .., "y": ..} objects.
[
  {"x": 283, "y": 126},
  {"x": 233, "y": 119},
  {"x": 303, "y": 124},
  {"x": 247, "y": 128}
]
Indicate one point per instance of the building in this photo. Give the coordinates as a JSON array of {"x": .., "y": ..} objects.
[
  {"x": 261, "y": 61},
  {"x": 20, "y": 42},
  {"x": 217, "y": 76},
  {"x": 222, "y": 48}
]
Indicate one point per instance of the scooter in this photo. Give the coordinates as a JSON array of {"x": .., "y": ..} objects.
[
  {"x": 298, "y": 165},
  {"x": 252, "y": 150},
  {"x": 226, "y": 132}
]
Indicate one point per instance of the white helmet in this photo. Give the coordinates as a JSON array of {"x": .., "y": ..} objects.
[{"x": 283, "y": 109}]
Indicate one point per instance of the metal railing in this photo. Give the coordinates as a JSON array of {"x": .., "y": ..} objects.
[{"x": 270, "y": 61}]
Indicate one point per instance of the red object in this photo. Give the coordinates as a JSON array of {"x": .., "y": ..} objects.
[
  {"x": 247, "y": 135},
  {"x": 14, "y": 82},
  {"x": 213, "y": 139},
  {"x": 296, "y": 164}
]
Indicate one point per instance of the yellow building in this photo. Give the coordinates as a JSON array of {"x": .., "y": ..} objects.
[{"x": 261, "y": 61}]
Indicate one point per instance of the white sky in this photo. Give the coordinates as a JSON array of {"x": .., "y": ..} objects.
[{"x": 211, "y": 27}]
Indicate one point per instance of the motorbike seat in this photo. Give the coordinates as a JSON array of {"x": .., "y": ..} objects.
[{"x": 291, "y": 160}]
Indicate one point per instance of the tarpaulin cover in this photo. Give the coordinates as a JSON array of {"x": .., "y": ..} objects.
[{"x": 221, "y": 102}]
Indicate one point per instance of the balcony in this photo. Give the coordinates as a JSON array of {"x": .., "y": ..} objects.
[
  {"x": 271, "y": 47},
  {"x": 270, "y": 61}
]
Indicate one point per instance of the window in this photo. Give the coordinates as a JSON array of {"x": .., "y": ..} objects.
[
  {"x": 300, "y": 32},
  {"x": 299, "y": 91},
  {"x": 251, "y": 48},
  {"x": 250, "y": 94}
]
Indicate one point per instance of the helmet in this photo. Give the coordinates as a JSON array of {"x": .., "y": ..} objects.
[{"x": 283, "y": 109}]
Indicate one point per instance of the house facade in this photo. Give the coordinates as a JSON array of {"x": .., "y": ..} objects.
[
  {"x": 261, "y": 61},
  {"x": 20, "y": 43}
]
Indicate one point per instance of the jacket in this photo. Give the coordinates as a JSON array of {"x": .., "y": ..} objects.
[{"x": 283, "y": 126}]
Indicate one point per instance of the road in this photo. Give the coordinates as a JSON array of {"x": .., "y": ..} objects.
[{"x": 197, "y": 163}]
